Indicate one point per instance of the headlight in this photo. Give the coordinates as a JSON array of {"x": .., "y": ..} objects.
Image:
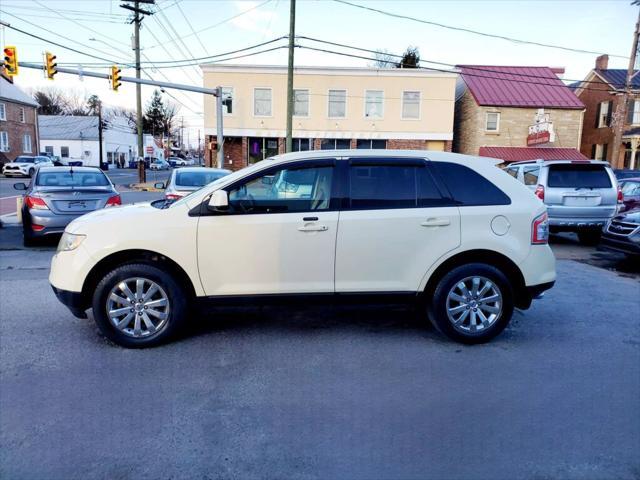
[{"x": 70, "y": 241}]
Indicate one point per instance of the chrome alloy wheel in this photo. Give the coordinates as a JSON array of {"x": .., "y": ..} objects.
[
  {"x": 474, "y": 304},
  {"x": 138, "y": 307}
]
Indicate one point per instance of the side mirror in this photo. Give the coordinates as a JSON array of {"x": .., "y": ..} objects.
[
  {"x": 159, "y": 186},
  {"x": 219, "y": 201},
  {"x": 20, "y": 186}
]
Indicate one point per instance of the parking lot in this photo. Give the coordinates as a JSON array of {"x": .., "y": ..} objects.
[{"x": 325, "y": 392}]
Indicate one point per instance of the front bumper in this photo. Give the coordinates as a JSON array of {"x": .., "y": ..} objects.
[
  {"x": 15, "y": 173},
  {"x": 622, "y": 244},
  {"x": 74, "y": 301}
]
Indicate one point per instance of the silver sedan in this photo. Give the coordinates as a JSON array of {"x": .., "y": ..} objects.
[
  {"x": 58, "y": 195},
  {"x": 186, "y": 180}
]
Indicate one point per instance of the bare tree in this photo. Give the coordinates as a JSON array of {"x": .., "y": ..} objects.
[
  {"x": 51, "y": 101},
  {"x": 383, "y": 59}
]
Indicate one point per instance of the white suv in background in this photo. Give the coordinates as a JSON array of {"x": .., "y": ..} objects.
[{"x": 454, "y": 234}]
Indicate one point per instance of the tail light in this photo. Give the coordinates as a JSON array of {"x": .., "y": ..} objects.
[
  {"x": 113, "y": 201},
  {"x": 37, "y": 203},
  {"x": 620, "y": 195},
  {"x": 37, "y": 228},
  {"x": 540, "y": 230},
  {"x": 540, "y": 192},
  {"x": 173, "y": 196}
]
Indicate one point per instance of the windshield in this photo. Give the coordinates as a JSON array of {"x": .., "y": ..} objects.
[
  {"x": 630, "y": 189},
  {"x": 197, "y": 179},
  {"x": 25, "y": 160},
  {"x": 578, "y": 176},
  {"x": 69, "y": 179}
]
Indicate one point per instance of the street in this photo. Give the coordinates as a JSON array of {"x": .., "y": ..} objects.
[{"x": 325, "y": 392}]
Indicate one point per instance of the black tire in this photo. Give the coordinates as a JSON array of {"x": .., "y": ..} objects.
[
  {"x": 32, "y": 172},
  {"x": 177, "y": 298},
  {"x": 589, "y": 237},
  {"x": 437, "y": 304},
  {"x": 28, "y": 240}
]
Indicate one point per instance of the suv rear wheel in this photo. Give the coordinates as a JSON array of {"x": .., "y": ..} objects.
[
  {"x": 139, "y": 305},
  {"x": 472, "y": 303}
]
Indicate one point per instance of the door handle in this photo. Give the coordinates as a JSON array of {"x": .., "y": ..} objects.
[
  {"x": 436, "y": 222},
  {"x": 313, "y": 228}
]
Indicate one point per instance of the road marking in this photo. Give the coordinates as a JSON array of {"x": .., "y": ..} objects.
[{"x": 13, "y": 196}]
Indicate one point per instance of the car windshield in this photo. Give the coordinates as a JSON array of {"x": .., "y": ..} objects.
[
  {"x": 197, "y": 179},
  {"x": 25, "y": 160},
  {"x": 72, "y": 179},
  {"x": 578, "y": 176},
  {"x": 630, "y": 189}
]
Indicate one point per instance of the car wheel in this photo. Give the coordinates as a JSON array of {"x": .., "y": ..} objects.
[
  {"x": 472, "y": 303},
  {"x": 28, "y": 240},
  {"x": 589, "y": 237},
  {"x": 139, "y": 305},
  {"x": 32, "y": 171}
]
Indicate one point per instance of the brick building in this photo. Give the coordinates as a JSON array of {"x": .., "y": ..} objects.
[
  {"x": 334, "y": 108},
  {"x": 18, "y": 122},
  {"x": 600, "y": 92},
  {"x": 515, "y": 113}
]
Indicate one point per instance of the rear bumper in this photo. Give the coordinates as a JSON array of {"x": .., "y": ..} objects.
[
  {"x": 74, "y": 301},
  {"x": 52, "y": 222}
]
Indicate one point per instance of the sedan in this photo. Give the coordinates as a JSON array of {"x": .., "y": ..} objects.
[
  {"x": 160, "y": 165},
  {"x": 630, "y": 188},
  {"x": 58, "y": 195},
  {"x": 622, "y": 233},
  {"x": 189, "y": 179}
]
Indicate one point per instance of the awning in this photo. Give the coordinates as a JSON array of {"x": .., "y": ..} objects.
[{"x": 518, "y": 154}]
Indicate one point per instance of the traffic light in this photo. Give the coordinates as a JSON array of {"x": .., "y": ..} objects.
[
  {"x": 115, "y": 78},
  {"x": 50, "y": 66},
  {"x": 10, "y": 61}
]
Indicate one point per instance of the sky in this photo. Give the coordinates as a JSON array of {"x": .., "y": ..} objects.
[{"x": 199, "y": 28}]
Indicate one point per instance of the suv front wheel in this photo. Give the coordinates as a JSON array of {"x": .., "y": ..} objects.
[
  {"x": 139, "y": 305},
  {"x": 472, "y": 303}
]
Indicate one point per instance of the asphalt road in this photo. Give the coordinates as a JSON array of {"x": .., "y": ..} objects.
[{"x": 352, "y": 393}]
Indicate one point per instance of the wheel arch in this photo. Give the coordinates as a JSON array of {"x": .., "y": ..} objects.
[
  {"x": 125, "y": 257},
  {"x": 522, "y": 298}
]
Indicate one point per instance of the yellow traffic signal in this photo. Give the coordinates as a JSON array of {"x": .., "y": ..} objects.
[
  {"x": 50, "y": 65},
  {"x": 10, "y": 61},
  {"x": 115, "y": 78}
]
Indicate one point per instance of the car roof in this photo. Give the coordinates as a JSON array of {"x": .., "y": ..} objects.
[
  {"x": 202, "y": 169},
  {"x": 630, "y": 179},
  {"x": 553, "y": 162},
  {"x": 68, "y": 169}
]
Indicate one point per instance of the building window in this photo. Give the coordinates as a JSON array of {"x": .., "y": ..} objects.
[
  {"x": 64, "y": 152},
  {"x": 3, "y": 111},
  {"x": 21, "y": 115},
  {"x": 373, "y": 103},
  {"x": 301, "y": 103},
  {"x": 492, "y": 122},
  {"x": 227, "y": 98},
  {"x": 599, "y": 152},
  {"x": 367, "y": 144},
  {"x": 26, "y": 143},
  {"x": 633, "y": 112},
  {"x": 302, "y": 144},
  {"x": 410, "y": 105},
  {"x": 261, "y": 148},
  {"x": 262, "y": 102},
  {"x": 4, "y": 141},
  {"x": 604, "y": 114},
  {"x": 49, "y": 150},
  {"x": 337, "y": 103},
  {"x": 335, "y": 144}
]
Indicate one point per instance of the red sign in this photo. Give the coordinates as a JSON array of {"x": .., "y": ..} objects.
[
  {"x": 149, "y": 150},
  {"x": 538, "y": 138}
]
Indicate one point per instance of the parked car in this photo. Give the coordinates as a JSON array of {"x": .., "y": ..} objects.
[
  {"x": 622, "y": 233},
  {"x": 58, "y": 195},
  {"x": 449, "y": 233},
  {"x": 189, "y": 179},
  {"x": 622, "y": 174},
  {"x": 159, "y": 165},
  {"x": 580, "y": 195},
  {"x": 630, "y": 188},
  {"x": 180, "y": 162},
  {"x": 25, "y": 166}
]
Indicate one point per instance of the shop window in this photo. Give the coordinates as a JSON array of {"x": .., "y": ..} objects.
[
  {"x": 492, "y": 122},
  {"x": 374, "y": 144},
  {"x": 373, "y": 104},
  {"x": 301, "y": 103},
  {"x": 337, "y": 103},
  {"x": 261, "y": 148},
  {"x": 335, "y": 144},
  {"x": 410, "y": 105},
  {"x": 302, "y": 144}
]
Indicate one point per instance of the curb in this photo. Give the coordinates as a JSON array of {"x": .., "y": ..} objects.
[{"x": 143, "y": 188}]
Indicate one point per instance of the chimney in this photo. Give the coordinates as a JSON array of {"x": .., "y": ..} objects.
[{"x": 602, "y": 62}]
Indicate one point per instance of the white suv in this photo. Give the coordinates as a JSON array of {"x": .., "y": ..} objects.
[{"x": 452, "y": 233}]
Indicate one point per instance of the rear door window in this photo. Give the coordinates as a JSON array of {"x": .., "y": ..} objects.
[
  {"x": 383, "y": 186},
  {"x": 469, "y": 188},
  {"x": 571, "y": 175},
  {"x": 513, "y": 171},
  {"x": 530, "y": 175}
]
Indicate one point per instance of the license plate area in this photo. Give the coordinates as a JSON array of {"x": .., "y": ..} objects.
[{"x": 582, "y": 200}]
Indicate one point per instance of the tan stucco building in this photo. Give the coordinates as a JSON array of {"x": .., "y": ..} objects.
[{"x": 334, "y": 108}]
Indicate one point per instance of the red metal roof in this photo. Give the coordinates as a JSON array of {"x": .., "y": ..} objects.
[
  {"x": 517, "y": 154},
  {"x": 533, "y": 87}
]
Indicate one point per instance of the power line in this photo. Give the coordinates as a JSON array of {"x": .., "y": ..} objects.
[
  {"x": 192, "y": 29},
  {"x": 475, "y": 32}
]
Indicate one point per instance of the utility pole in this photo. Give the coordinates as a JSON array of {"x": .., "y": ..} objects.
[
  {"x": 621, "y": 109},
  {"x": 100, "y": 132},
  {"x": 220, "y": 139},
  {"x": 137, "y": 19},
  {"x": 292, "y": 33}
]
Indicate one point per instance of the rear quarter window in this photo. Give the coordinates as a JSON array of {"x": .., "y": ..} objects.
[
  {"x": 469, "y": 188},
  {"x": 571, "y": 175}
]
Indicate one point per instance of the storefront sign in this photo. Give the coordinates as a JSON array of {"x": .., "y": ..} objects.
[{"x": 541, "y": 131}]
